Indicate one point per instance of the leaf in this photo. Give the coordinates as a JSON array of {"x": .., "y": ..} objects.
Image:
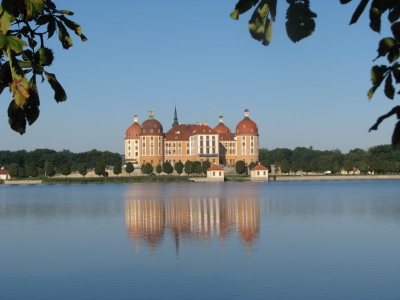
[
  {"x": 396, "y": 74},
  {"x": 371, "y": 91},
  {"x": 258, "y": 20},
  {"x": 396, "y": 134},
  {"x": 241, "y": 7},
  {"x": 345, "y": 1},
  {"x": 393, "y": 55},
  {"x": 389, "y": 89},
  {"x": 16, "y": 118},
  {"x": 6, "y": 10},
  {"x": 377, "y": 74},
  {"x": 395, "y": 110},
  {"x": 11, "y": 42},
  {"x": 43, "y": 19},
  {"x": 385, "y": 45},
  {"x": 394, "y": 14},
  {"x": 51, "y": 27},
  {"x": 63, "y": 35},
  {"x": 34, "y": 8},
  {"x": 65, "y": 12},
  {"x": 359, "y": 10},
  {"x": 5, "y": 76},
  {"x": 375, "y": 19},
  {"x": 32, "y": 107},
  {"x": 396, "y": 30},
  {"x": 300, "y": 23},
  {"x": 72, "y": 25},
  {"x": 59, "y": 94},
  {"x": 19, "y": 85}
]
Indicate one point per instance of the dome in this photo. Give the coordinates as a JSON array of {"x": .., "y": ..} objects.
[
  {"x": 133, "y": 131},
  {"x": 247, "y": 126},
  {"x": 151, "y": 126},
  {"x": 221, "y": 128}
]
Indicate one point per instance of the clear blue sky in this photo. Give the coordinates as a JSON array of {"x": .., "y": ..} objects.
[{"x": 143, "y": 54}]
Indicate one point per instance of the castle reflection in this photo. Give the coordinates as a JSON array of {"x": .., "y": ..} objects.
[{"x": 149, "y": 221}]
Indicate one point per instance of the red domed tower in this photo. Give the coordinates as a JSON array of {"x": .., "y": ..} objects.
[
  {"x": 151, "y": 141},
  {"x": 247, "y": 139},
  {"x": 132, "y": 137},
  {"x": 227, "y": 143}
]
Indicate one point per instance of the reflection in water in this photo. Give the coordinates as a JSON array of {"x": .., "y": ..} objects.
[{"x": 199, "y": 219}]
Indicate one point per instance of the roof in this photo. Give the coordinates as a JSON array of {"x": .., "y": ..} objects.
[
  {"x": 246, "y": 126},
  {"x": 182, "y": 132},
  {"x": 215, "y": 167},
  {"x": 132, "y": 131},
  {"x": 3, "y": 172},
  {"x": 259, "y": 167}
]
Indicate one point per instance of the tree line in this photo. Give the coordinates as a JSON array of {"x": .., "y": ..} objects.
[
  {"x": 380, "y": 159},
  {"x": 39, "y": 162}
]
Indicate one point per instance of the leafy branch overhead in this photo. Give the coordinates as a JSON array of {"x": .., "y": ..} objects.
[
  {"x": 300, "y": 24},
  {"x": 23, "y": 26}
]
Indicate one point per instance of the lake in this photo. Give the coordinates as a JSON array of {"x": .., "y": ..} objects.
[{"x": 271, "y": 240}]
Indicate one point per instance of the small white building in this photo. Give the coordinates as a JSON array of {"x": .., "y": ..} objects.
[
  {"x": 259, "y": 173},
  {"x": 215, "y": 173},
  {"x": 4, "y": 174}
]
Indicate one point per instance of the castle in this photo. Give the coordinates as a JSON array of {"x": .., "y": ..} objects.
[{"x": 195, "y": 142}]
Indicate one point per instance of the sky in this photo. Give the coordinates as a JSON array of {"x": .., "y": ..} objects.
[{"x": 158, "y": 54}]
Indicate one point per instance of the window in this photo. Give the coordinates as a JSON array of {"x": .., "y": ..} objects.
[
  {"x": 213, "y": 137},
  {"x": 258, "y": 173},
  {"x": 213, "y": 173},
  {"x": 129, "y": 154},
  {"x": 151, "y": 138},
  {"x": 151, "y": 130},
  {"x": 151, "y": 161},
  {"x": 265, "y": 173},
  {"x": 136, "y": 154},
  {"x": 220, "y": 174},
  {"x": 187, "y": 151}
]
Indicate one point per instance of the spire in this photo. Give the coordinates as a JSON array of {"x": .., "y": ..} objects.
[
  {"x": 135, "y": 119},
  {"x": 175, "y": 118},
  {"x": 221, "y": 118},
  {"x": 151, "y": 114},
  {"x": 246, "y": 113}
]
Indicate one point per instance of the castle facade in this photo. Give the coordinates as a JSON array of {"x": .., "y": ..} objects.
[{"x": 195, "y": 142}]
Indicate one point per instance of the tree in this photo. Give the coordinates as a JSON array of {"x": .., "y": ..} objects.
[
  {"x": 267, "y": 163},
  {"x": 22, "y": 37},
  {"x": 179, "y": 167},
  {"x": 205, "y": 166},
  {"x": 65, "y": 169},
  {"x": 82, "y": 169},
  {"x": 252, "y": 165},
  {"x": 194, "y": 167},
  {"x": 129, "y": 168},
  {"x": 30, "y": 169},
  {"x": 158, "y": 169},
  {"x": 100, "y": 169},
  {"x": 348, "y": 165},
  {"x": 285, "y": 166},
  {"x": 50, "y": 169},
  {"x": 167, "y": 167},
  {"x": 148, "y": 168},
  {"x": 300, "y": 24},
  {"x": 21, "y": 172},
  {"x": 294, "y": 167},
  {"x": 305, "y": 166},
  {"x": 188, "y": 167},
  {"x": 13, "y": 170},
  {"x": 117, "y": 168},
  {"x": 199, "y": 169},
  {"x": 240, "y": 167}
]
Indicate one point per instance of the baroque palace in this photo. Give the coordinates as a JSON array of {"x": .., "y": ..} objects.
[{"x": 195, "y": 142}]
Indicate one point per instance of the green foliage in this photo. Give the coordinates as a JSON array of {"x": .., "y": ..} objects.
[
  {"x": 167, "y": 167},
  {"x": 196, "y": 167},
  {"x": 100, "y": 169},
  {"x": 159, "y": 169},
  {"x": 240, "y": 167},
  {"x": 50, "y": 169},
  {"x": 252, "y": 165},
  {"x": 13, "y": 170},
  {"x": 82, "y": 169},
  {"x": 179, "y": 167},
  {"x": 348, "y": 165},
  {"x": 188, "y": 167},
  {"x": 294, "y": 167},
  {"x": 205, "y": 166},
  {"x": 91, "y": 180},
  {"x": 129, "y": 168},
  {"x": 117, "y": 168},
  {"x": 21, "y": 172},
  {"x": 30, "y": 170},
  {"x": 148, "y": 168},
  {"x": 23, "y": 26},
  {"x": 285, "y": 167},
  {"x": 65, "y": 169},
  {"x": 267, "y": 163},
  {"x": 305, "y": 166}
]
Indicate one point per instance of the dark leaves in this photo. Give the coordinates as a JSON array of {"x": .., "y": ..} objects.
[{"x": 300, "y": 23}]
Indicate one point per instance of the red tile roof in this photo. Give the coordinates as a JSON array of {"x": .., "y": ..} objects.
[
  {"x": 215, "y": 167},
  {"x": 259, "y": 167},
  {"x": 3, "y": 172}
]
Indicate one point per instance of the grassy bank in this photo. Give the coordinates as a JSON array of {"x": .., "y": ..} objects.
[{"x": 133, "y": 179}]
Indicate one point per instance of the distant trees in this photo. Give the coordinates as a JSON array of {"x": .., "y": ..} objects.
[
  {"x": 285, "y": 167},
  {"x": 348, "y": 165},
  {"x": 148, "y": 168},
  {"x": 13, "y": 170},
  {"x": 166, "y": 167},
  {"x": 117, "y": 168},
  {"x": 50, "y": 169},
  {"x": 129, "y": 168},
  {"x": 158, "y": 169},
  {"x": 294, "y": 167},
  {"x": 179, "y": 167},
  {"x": 30, "y": 169},
  {"x": 82, "y": 169},
  {"x": 65, "y": 169},
  {"x": 188, "y": 167},
  {"x": 100, "y": 169},
  {"x": 240, "y": 167},
  {"x": 205, "y": 166}
]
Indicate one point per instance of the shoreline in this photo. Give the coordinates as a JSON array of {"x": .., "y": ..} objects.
[{"x": 271, "y": 178}]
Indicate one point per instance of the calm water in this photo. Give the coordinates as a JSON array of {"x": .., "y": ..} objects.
[{"x": 276, "y": 240}]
